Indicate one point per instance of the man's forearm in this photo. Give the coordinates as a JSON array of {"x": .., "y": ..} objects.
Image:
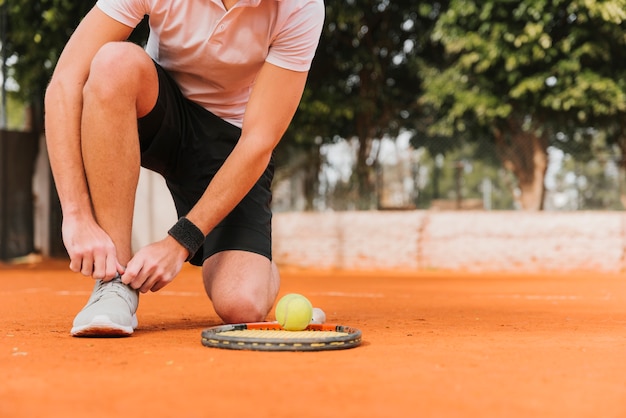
[{"x": 63, "y": 141}]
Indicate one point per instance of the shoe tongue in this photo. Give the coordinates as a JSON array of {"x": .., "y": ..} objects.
[{"x": 117, "y": 287}]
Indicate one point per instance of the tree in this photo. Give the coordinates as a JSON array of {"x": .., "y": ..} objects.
[
  {"x": 37, "y": 33},
  {"x": 363, "y": 82},
  {"x": 520, "y": 72}
]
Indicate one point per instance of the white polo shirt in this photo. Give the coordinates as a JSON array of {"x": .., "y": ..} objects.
[{"x": 214, "y": 54}]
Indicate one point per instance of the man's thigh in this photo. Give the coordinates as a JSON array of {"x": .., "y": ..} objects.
[{"x": 236, "y": 271}]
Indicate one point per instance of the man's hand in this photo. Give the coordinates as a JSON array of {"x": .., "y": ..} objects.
[
  {"x": 155, "y": 266},
  {"x": 91, "y": 250}
]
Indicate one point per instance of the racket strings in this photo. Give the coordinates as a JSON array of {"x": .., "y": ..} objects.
[
  {"x": 271, "y": 337},
  {"x": 278, "y": 334}
]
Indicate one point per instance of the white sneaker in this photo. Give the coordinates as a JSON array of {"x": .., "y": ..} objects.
[{"x": 110, "y": 311}]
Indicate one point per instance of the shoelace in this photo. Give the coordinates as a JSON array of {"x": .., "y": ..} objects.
[{"x": 115, "y": 285}]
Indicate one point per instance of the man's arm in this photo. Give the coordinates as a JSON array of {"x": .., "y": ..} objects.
[
  {"x": 83, "y": 238},
  {"x": 273, "y": 102}
]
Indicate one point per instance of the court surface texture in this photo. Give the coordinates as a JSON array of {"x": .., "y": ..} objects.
[{"x": 435, "y": 344}]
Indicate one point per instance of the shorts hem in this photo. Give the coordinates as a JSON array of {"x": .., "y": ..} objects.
[{"x": 234, "y": 238}]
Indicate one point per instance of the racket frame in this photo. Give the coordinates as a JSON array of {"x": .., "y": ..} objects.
[{"x": 347, "y": 337}]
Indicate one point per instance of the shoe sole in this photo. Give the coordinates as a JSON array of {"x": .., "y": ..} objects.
[{"x": 102, "y": 326}]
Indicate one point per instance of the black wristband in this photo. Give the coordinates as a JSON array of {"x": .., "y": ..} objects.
[{"x": 188, "y": 235}]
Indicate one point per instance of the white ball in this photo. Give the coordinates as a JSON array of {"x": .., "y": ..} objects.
[{"x": 319, "y": 317}]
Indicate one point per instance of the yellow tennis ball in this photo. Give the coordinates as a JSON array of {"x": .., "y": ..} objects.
[{"x": 294, "y": 312}]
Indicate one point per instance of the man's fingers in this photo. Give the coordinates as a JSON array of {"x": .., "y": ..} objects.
[
  {"x": 151, "y": 268},
  {"x": 119, "y": 268},
  {"x": 134, "y": 276},
  {"x": 86, "y": 268},
  {"x": 110, "y": 267},
  {"x": 75, "y": 265},
  {"x": 147, "y": 285},
  {"x": 100, "y": 268}
]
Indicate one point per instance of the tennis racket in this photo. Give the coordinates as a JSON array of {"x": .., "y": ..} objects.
[{"x": 269, "y": 336}]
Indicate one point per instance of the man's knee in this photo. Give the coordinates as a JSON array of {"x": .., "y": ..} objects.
[
  {"x": 118, "y": 67},
  {"x": 240, "y": 308},
  {"x": 241, "y": 285}
]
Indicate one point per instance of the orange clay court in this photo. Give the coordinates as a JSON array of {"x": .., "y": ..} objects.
[{"x": 435, "y": 344}]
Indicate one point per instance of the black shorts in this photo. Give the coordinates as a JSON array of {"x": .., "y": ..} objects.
[{"x": 187, "y": 144}]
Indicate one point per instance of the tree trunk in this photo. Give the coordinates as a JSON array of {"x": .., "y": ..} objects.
[
  {"x": 365, "y": 178},
  {"x": 311, "y": 177},
  {"x": 523, "y": 151},
  {"x": 621, "y": 142}
]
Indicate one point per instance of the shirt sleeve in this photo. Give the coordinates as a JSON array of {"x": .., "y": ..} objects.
[
  {"x": 295, "y": 45},
  {"x": 128, "y": 12}
]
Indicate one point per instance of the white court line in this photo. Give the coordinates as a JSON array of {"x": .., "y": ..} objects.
[
  {"x": 87, "y": 293},
  {"x": 351, "y": 295},
  {"x": 538, "y": 297},
  {"x": 72, "y": 293},
  {"x": 175, "y": 293},
  {"x": 29, "y": 290}
]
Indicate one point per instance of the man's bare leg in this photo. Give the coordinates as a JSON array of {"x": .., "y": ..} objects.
[
  {"x": 241, "y": 285},
  {"x": 122, "y": 86}
]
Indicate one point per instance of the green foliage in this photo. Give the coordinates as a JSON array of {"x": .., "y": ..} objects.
[
  {"x": 15, "y": 114},
  {"x": 37, "y": 32},
  {"x": 519, "y": 73},
  {"x": 455, "y": 72},
  {"x": 364, "y": 80},
  {"x": 555, "y": 58}
]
